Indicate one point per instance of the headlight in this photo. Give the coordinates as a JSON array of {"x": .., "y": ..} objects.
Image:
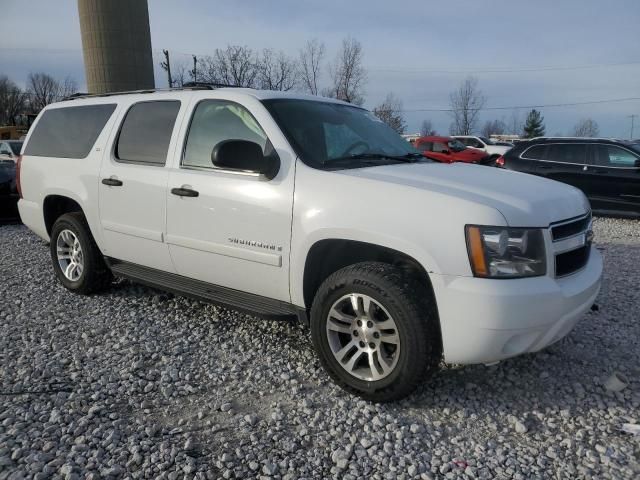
[{"x": 501, "y": 252}]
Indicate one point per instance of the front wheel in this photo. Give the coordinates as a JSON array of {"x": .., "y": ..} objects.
[
  {"x": 77, "y": 260},
  {"x": 375, "y": 331}
]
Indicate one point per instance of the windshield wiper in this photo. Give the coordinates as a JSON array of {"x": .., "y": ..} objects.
[{"x": 407, "y": 158}]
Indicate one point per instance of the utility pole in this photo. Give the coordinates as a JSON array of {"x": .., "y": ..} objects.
[
  {"x": 167, "y": 66},
  {"x": 195, "y": 72},
  {"x": 632, "y": 117}
]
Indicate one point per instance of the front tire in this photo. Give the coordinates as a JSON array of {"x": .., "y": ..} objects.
[
  {"x": 376, "y": 331},
  {"x": 77, "y": 260}
]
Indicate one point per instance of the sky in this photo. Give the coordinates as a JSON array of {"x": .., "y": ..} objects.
[{"x": 523, "y": 53}]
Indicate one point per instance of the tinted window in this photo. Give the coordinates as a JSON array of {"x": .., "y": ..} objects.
[
  {"x": 15, "y": 147},
  {"x": 146, "y": 132},
  {"x": 536, "y": 152},
  {"x": 68, "y": 132},
  {"x": 215, "y": 121},
  {"x": 612, "y": 156},
  {"x": 568, "y": 153}
]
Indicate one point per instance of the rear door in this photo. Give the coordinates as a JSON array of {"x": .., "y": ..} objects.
[
  {"x": 566, "y": 163},
  {"x": 614, "y": 178},
  {"x": 133, "y": 183}
]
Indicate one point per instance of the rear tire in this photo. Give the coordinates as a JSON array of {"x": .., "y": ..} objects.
[
  {"x": 376, "y": 331},
  {"x": 77, "y": 260}
]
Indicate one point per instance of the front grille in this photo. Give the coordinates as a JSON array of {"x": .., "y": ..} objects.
[
  {"x": 571, "y": 228},
  {"x": 572, "y": 261}
]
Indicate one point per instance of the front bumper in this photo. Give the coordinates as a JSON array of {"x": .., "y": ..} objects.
[{"x": 483, "y": 320}]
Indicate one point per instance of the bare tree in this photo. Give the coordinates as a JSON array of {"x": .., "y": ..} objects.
[
  {"x": 348, "y": 75},
  {"x": 426, "y": 129},
  {"x": 235, "y": 65},
  {"x": 515, "y": 124},
  {"x": 310, "y": 59},
  {"x": 586, "y": 127},
  {"x": 43, "y": 89},
  {"x": 390, "y": 112},
  {"x": 466, "y": 103},
  {"x": 277, "y": 71},
  {"x": 12, "y": 101},
  {"x": 493, "y": 127}
]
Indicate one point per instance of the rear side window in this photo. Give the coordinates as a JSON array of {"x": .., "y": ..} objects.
[
  {"x": 568, "y": 153},
  {"x": 439, "y": 147},
  {"x": 425, "y": 146},
  {"x": 536, "y": 152},
  {"x": 68, "y": 132},
  {"x": 146, "y": 132}
]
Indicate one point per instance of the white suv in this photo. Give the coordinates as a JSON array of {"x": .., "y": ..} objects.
[
  {"x": 284, "y": 204},
  {"x": 484, "y": 144}
]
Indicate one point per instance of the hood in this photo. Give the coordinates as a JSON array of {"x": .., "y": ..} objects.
[{"x": 524, "y": 200}]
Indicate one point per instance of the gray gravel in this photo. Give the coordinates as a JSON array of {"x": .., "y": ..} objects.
[{"x": 141, "y": 384}]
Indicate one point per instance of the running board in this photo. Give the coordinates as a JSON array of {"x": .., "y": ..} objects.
[{"x": 180, "y": 285}]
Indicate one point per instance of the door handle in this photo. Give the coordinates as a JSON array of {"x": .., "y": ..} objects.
[
  {"x": 112, "y": 182},
  {"x": 185, "y": 192}
]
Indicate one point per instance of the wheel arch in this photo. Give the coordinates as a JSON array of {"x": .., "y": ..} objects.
[
  {"x": 56, "y": 205},
  {"x": 327, "y": 256}
]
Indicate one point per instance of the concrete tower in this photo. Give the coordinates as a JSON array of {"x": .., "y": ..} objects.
[{"x": 116, "y": 44}]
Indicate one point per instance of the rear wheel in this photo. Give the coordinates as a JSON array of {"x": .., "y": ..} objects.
[
  {"x": 77, "y": 260},
  {"x": 375, "y": 331}
]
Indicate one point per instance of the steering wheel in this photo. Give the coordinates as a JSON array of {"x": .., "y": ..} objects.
[{"x": 354, "y": 145}]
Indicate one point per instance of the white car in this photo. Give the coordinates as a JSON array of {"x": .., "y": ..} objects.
[
  {"x": 484, "y": 144},
  {"x": 285, "y": 204}
]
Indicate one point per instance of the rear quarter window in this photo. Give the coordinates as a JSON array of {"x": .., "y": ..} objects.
[{"x": 68, "y": 132}]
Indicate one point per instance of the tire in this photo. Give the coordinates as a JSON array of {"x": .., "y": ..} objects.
[
  {"x": 417, "y": 350},
  {"x": 91, "y": 273}
]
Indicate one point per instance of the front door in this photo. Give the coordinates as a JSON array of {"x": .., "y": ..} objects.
[
  {"x": 230, "y": 227},
  {"x": 133, "y": 183},
  {"x": 614, "y": 179},
  {"x": 566, "y": 163}
]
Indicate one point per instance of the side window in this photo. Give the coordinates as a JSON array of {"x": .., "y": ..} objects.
[
  {"x": 537, "y": 152},
  {"x": 68, "y": 132},
  {"x": 425, "y": 146},
  {"x": 568, "y": 153},
  {"x": 474, "y": 142},
  {"x": 146, "y": 132},
  {"x": 440, "y": 147},
  {"x": 612, "y": 156},
  {"x": 215, "y": 121},
  {"x": 4, "y": 149}
]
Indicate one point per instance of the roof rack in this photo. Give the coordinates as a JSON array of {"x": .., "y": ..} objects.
[
  {"x": 186, "y": 86},
  {"x": 569, "y": 138}
]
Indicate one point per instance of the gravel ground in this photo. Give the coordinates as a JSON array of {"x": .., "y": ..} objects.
[{"x": 141, "y": 384}]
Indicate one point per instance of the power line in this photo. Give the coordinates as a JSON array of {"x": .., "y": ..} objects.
[
  {"x": 517, "y": 107},
  {"x": 543, "y": 68}
]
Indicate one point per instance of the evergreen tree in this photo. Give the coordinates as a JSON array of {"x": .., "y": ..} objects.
[{"x": 534, "y": 126}]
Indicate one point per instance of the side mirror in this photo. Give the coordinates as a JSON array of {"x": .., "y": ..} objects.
[
  {"x": 245, "y": 156},
  {"x": 637, "y": 164}
]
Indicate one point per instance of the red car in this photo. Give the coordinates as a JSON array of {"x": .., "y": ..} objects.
[{"x": 448, "y": 150}]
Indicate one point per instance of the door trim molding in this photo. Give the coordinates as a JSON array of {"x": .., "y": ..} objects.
[
  {"x": 133, "y": 231},
  {"x": 272, "y": 259}
]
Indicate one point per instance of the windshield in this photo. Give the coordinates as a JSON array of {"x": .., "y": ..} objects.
[
  {"x": 456, "y": 145},
  {"x": 486, "y": 140},
  {"x": 330, "y": 135},
  {"x": 15, "y": 147}
]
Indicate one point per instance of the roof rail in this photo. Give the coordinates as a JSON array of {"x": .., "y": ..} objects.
[
  {"x": 569, "y": 138},
  {"x": 186, "y": 86}
]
